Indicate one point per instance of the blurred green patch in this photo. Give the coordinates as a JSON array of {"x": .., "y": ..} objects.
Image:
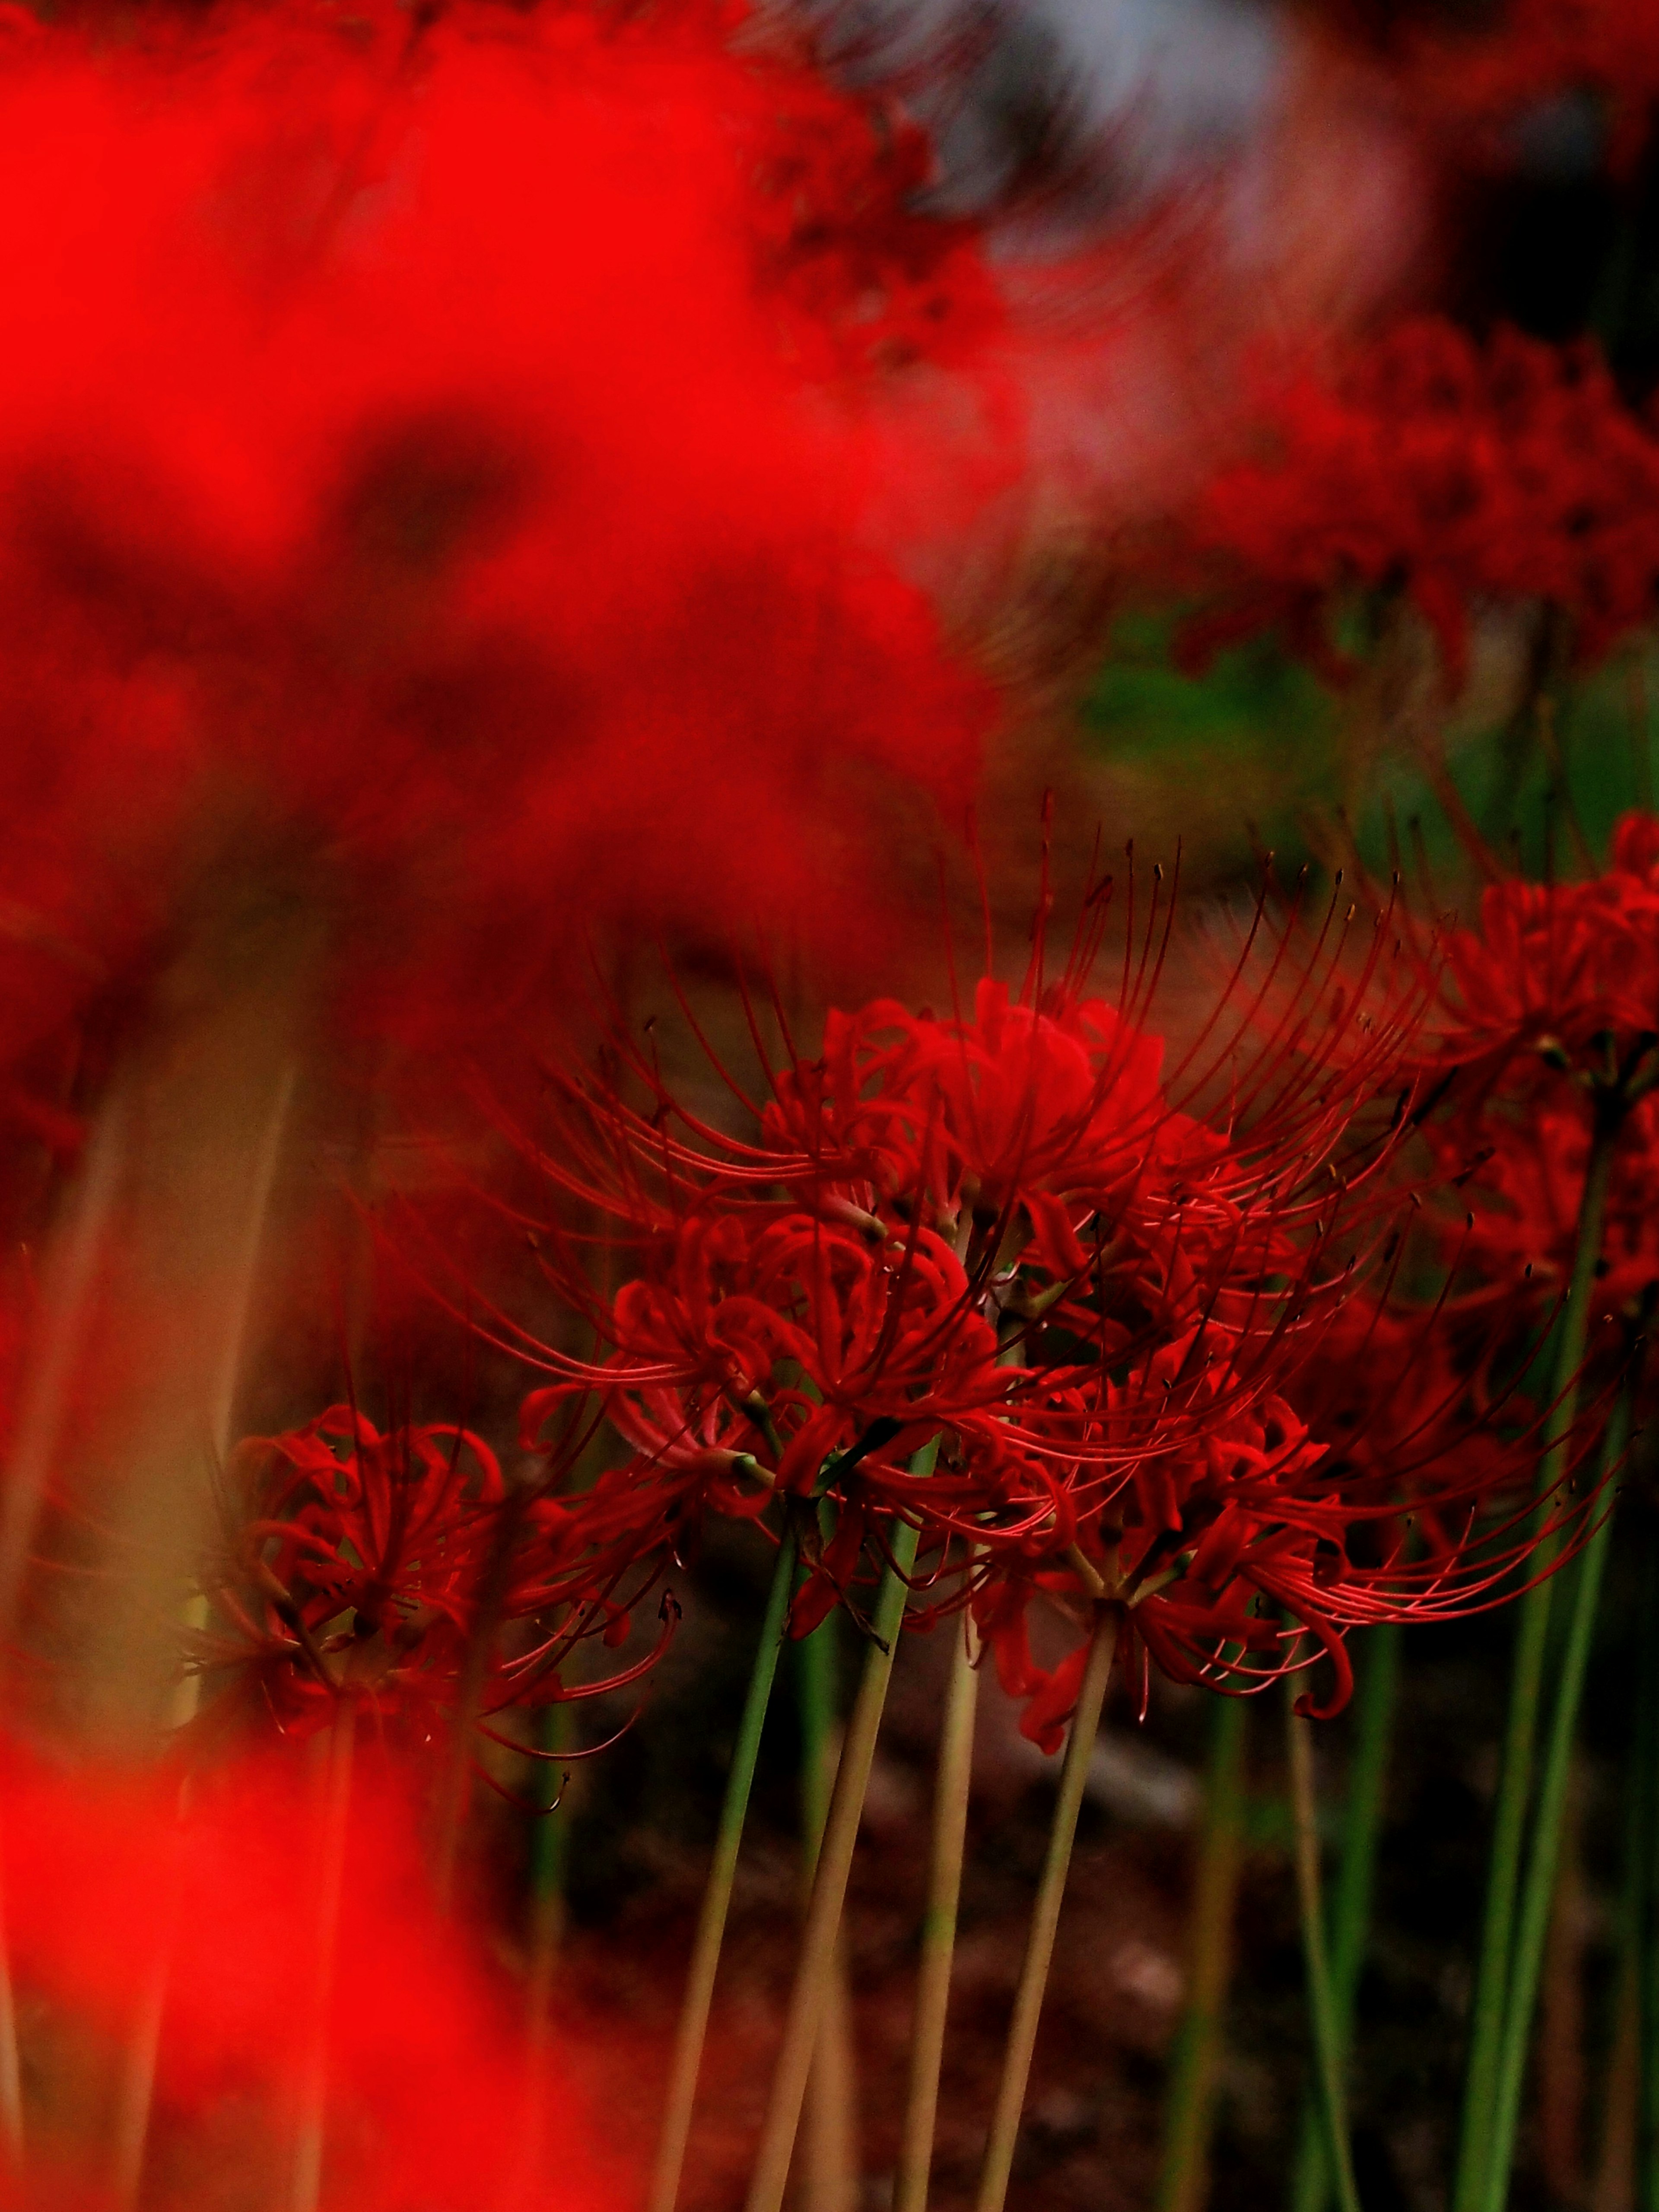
[
  {"x": 1255, "y": 751},
  {"x": 1544, "y": 790},
  {"x": 1229, "y": 759}
]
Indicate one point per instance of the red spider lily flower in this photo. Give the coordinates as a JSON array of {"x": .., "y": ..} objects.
[
  {"x": 1452, "y": 472},
  {"x": 112, "y": 1894},
  {"x": 1349, "y": 1471},
  {"x": 1000, "y": 1234},
  {"x": 1187, "y": 1535},
  {"x": 381, "y": 1569},
  {"x": 1544, "y": 1035},
  {"x": 1021, "y": 1103},
  {"x": 1558, "y": 975},
  {"x": 1527, "y": 1193},
  {"x": 1045, "y": 1128},
  {"x": 783, "y": 1353}
]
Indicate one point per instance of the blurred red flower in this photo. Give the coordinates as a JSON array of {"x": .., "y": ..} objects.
[
  {"x": 1453, "y": 472},
  {"x": 436, "y": 468},
  {"x": 111, "y": 1892}
]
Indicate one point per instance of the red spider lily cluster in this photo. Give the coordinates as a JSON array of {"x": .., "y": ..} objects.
[
  {"x": 438, "y": 492},
  {"x": 1459, "y": 474},
  {"x": 394, "y": 1571},
  {"x": 1101, "y": 1329},
  {"x": 1544, "y": 1027}
]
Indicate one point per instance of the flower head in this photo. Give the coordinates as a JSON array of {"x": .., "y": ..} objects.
[
  {"x": 1447, "y": 471},
  {"x": 1099, "y": 1293},
  {"x": 382, "y": 1568}
]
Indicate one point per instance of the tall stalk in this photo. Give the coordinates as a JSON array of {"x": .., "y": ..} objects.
[
  {"x": 1045, "y": 1916},
  {"x": 550, "y": 1856},
  {"x": 66, "y": 1299},
  {"x": 550, "y": 1847},
  {"x": 1538, "y": 1892},
  {"x": 135, "y": 2091},
  {"x": 794, "y": 2060},
  {"x": 1188, "y": 2110},
  {"x": 1329, "y": 2068},
  {"x": 1377, "y": 1683},
  {"x": 1471, "y": 2187},
  {"x": 828, "y": 2162},
  {"x": 939, "y": 1926},
  {"x": 682, "y": 2090},
  {"x": 11, "y": 2075}
]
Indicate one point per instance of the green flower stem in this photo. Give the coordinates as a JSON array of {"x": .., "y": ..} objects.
[
  {"x": 1190, "y": 2105},
  {"x": 806, "y": 2000},
  {"x": 1328, "y": 2055},
  {"x": 549, "y": 1861},
  {"x": 1375, "y": 1693},
  {"x": 1045, "y": 1918},
  {"x": 550, "y": 1854},
  {"x": 939, "y": 1926},
  {"x": 1471, "y": 2189},
  {"x": 682, "y": 2090},
  {"x": 827, "y": 2161},
  {"x": 1538, "y": 1891}
]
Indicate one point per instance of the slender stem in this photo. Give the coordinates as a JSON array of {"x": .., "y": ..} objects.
[
  {"x": 71, "y": 1280},
  {"x": 11, "y": 2075},
  {"x": 455, "y": 1793},
  {"x": 135, "y": 2090},
  {"x": 1560, "y": 2041},
  {"x": 682, "y": 2091},
  {"x": 806, "y": 1999},
  {"x": 69, "y": 1288},
  {"x": 828, "y": 2171},
  {"x": 1538, "y": 1891},
  {"x": 1614, "y": 2187},
  {"x": 1377, "y": 1683},
  {"x": 550, "y": 1854},
  {"x": 816, "y": 1657},
  {"x": 939, "y": 1926},
  {"x": 1322, "y": 2010},
  {"x": 244, "y": 1270},
  {"x": 827, "y": 2167},
  {"x": 1490, "y": 2007},
  {"x": 1188, "y": 2111},
  {"x": 550, "y": 1847},
  {"x": 1045, "y": 1918},
  {"x": 306, "y": 2183}
]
